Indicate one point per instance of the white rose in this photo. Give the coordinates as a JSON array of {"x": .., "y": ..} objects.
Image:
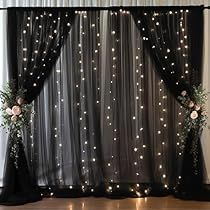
[
  {"x": 184, "y": 93},
  {"x": 191, "y": 104},
  {"x": 14, "y": 118},
  {"x": 16, "y": 110},
  {"x": 194, "y": 114},
  {"x": 9, "y": 111}
]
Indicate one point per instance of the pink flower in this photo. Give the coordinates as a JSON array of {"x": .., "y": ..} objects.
[
  {"x": 20, "y": 101},
  {"x": 191, "y": 104},
  {"x": 9, "y": 111},
  {"x": 14, "y": 118},
  {"x": 16, "y": 110},
  {"x": 197, "y": 107},
  {"x": 194, "y": 114},
  {"x": 184, "y": 93}
]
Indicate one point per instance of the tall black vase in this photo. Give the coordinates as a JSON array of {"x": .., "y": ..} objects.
[{"x": 18, "y": 186}]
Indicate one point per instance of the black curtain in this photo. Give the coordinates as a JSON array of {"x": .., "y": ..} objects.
[
  {"x": 175, "y": 40},
  {"x": 35, "y": 39},
  {"x": 106, "y": 123}
]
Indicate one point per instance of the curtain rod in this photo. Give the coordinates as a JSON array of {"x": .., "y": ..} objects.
[{"x": 112, "y": 7}]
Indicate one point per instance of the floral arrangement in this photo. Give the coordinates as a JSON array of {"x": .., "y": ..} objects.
[
  {"x": 195, "y": 116},
  {"x": 16, "y": 114}
]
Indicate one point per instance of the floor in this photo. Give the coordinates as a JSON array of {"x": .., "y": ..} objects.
[{"x": 152, "y": 203}]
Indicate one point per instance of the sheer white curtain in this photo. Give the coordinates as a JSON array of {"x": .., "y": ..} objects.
[
  {"x": 98, "y": 3},
  {"x": 206, "y": 83},
  {"x": 3, "y": 79}
]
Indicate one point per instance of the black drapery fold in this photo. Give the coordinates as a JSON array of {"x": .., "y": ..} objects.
[
  {"x": 40, "y": 36},
  {"x": 35, "y": 39},
  {"x": 175, "y": 40}
]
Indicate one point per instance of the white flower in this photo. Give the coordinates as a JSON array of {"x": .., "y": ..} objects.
[
  {"x": 9, "y": 111},
  {"x": 184, "y": 93},
  {"x": 197, "y": 107},
  {"x": 16, "y": 110},
  {"x": 14, "y": 118},
  {"x": 191, "y": 104},
  {"x": 194, "y": 114},
  {"x": 20, "y": 101}
]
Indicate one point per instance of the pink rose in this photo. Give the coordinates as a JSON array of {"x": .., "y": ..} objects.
[
  {"x": 184, "y": 93},
  {"x": 16, "y": 110},
  {"x": 8, "y": 111},
  {"x": 194, "y": 114},
  {"x": 20, "y": 101},
  {"x": 197, "y": 107},
  {"x": 14, "y": 118},
  {"x": 191, "y": 104}
]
